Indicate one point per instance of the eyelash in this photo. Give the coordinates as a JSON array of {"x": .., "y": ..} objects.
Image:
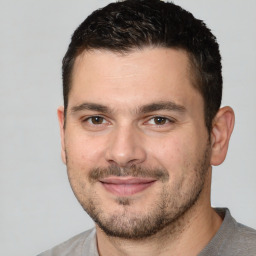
[
  {"x": 166, "y": 120},
  {"x": 104, "y": 121},
  {"x": 91, "y": 117}
]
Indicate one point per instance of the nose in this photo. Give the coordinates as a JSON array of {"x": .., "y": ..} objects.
[{"x": 125, "y": 147}]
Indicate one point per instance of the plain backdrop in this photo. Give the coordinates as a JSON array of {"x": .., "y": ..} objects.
[{"x": 38, "y": 209}]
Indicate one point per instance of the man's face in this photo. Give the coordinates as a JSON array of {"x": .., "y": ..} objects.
[{"x": 135, "y": 142}]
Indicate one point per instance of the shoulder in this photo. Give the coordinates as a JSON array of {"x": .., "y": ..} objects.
[
  {"x": 244, "y": 238},
  {"x": 232, "y": 238},
  {"x": 76, "y": 246},
  {"x": 241, "y": 240}
]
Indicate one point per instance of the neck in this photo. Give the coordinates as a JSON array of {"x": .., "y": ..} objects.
[{"x": 194, "y": 230}]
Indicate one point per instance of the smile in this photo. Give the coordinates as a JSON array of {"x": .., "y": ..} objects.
[{"x": 126, "y": 186}]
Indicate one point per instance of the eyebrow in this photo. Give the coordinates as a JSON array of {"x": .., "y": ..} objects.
[
  {"x": 156, "y": 106},
  {"x": 92, "y": 107},
  {"x": 162, "y": 105}
]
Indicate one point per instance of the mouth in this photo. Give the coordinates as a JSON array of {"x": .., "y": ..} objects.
[{"x": 126, "y": 186}]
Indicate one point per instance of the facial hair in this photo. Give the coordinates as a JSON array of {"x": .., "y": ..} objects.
[{"x": 171, "y": 204}]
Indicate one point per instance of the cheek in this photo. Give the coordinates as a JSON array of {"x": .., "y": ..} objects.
[
  {"x": 179, "y": 156},
  {"x": 172, "y": 151},
  {"x": 83, "y": 151}
]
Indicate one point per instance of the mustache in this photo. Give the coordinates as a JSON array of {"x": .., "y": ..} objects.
[{"x": 135, "y": 171}]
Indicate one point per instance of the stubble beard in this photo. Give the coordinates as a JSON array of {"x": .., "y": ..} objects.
[{"x": 173, "y": 202}]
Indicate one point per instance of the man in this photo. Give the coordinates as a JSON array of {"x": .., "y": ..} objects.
[{"x": 141, "y": 127}]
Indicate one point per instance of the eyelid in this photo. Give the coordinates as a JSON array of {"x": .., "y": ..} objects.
[
  {"x": 87, "y": 118},
  {"x": 169, "y": 119}
]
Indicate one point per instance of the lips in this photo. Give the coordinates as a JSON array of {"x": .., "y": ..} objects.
[{"x": 126, "y": 186}]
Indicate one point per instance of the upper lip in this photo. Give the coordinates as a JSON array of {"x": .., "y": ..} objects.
[{"x": 126, "y": 180}]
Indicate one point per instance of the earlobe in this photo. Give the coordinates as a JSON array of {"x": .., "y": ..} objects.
[
  {"x": 61, "y": 118},
  {"x": 223, "y": 125}
]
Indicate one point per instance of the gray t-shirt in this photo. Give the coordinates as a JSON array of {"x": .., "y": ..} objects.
[{"x": 232, "y": 239}]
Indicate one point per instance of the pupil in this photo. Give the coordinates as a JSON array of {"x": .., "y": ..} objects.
[
  {"x": 159, "y": 120},
  {"x": 97, "y": 120}
]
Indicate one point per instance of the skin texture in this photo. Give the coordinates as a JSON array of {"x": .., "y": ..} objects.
[{"x": 137, "y": 116}]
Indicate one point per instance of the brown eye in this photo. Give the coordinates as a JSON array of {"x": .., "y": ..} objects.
[
  {"x": 96, "y": 120},
  {"x": 160, "y": 120}
]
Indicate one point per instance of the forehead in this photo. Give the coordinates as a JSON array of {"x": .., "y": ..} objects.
[
  {"x": 145, "y": 58},
  {"x": 145, "y": 74}
]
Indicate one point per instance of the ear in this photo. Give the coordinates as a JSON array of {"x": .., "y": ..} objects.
[
  {"x": 223, "y": 125},
  {"x": 61, "y": 117}
]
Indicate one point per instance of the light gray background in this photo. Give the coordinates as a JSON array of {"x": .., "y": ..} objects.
[{"x": 38, "y": 209}]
